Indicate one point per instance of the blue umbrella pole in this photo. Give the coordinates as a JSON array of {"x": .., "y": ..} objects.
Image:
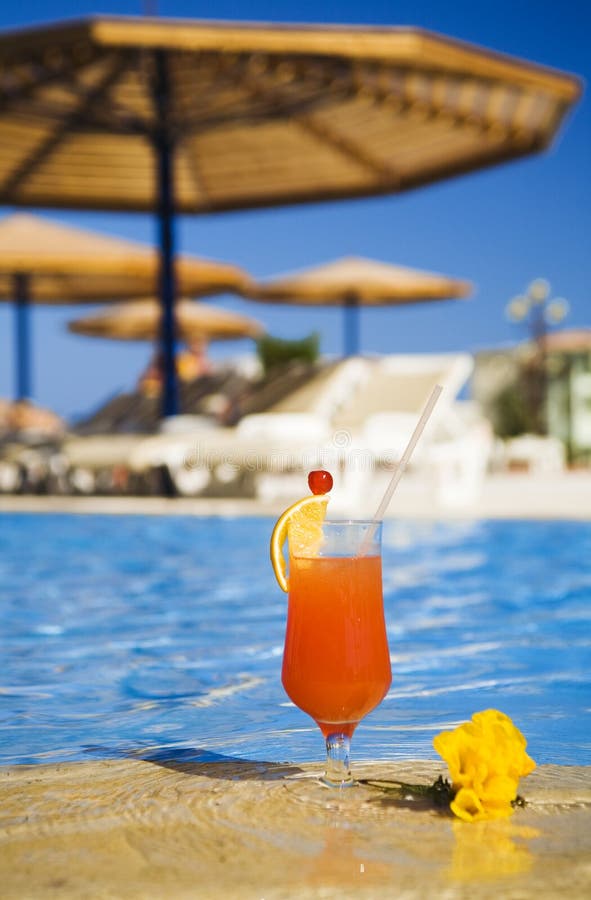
[
  {"x": 22, "y": 337},
  {"x": 164, "y": 148},
  {"x": 351, "y": 325}
]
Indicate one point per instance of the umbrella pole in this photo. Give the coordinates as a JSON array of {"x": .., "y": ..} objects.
[
  {"x": 164, "y": 150},
  {"x": 351, "y": 325},
  {"x": 22, "y": 336}
]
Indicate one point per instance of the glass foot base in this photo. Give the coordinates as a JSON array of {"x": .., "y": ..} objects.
[
  {"x": 338, "y": 772},
  {"x": 338, "y": 784}
]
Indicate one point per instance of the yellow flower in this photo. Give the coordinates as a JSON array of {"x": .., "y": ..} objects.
[{"x": 486, "y": 758}]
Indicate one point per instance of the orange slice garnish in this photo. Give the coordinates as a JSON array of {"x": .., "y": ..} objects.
[{"x": 301, "y": 526}]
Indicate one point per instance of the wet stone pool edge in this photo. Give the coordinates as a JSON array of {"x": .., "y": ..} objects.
[{"x": 134, "y": 828}]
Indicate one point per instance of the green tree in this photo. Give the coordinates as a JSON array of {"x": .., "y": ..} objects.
[
  {"x": 511, "y": 410},
  {"x": 275, "y": 352}
]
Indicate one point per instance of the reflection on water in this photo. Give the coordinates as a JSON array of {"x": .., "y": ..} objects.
[
  {"x": 124, "y": 633},
  {"x": 488, "y": 851},
  {"x": 345, "y": 855}
]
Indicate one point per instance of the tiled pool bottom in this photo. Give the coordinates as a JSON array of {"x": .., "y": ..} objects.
[{"x": 123, "y": 635}]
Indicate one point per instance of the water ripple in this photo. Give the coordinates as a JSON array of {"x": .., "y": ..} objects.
[{"x": 129, "y": 635}]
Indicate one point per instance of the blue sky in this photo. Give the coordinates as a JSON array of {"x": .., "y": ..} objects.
[{"x": 499, "y": 228}]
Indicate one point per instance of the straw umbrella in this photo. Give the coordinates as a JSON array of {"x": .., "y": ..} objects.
[
  {"x": 140, "y": 319},
  {"x": 196, "y": 325},
  {"x": 352, "y": 282},
  {"x": 137, "y": 114},
  {"x": 48, "y": 262}
]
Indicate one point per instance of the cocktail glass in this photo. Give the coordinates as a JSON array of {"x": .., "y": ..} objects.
[{"x": 336, "y": 661}]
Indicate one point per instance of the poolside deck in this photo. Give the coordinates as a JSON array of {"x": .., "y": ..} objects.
[
  {"x": 503, "y": 496},
  {"x": 132, "y": 828}
]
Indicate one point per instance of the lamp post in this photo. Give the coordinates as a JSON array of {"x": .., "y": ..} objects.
[{"x": 539, "y": 311}]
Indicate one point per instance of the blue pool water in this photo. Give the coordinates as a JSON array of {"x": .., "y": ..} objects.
[{"x": 147, "y": 635}]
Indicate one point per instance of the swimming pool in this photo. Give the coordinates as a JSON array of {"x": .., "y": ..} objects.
[{"x": 144, "y": 635}]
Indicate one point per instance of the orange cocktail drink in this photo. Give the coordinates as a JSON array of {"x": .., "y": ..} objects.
[{"x": 336, "y": 662}]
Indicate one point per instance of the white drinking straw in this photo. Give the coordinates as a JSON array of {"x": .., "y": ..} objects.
[{"x": 404, "y": 460}]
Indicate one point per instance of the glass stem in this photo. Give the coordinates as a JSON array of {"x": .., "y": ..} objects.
[{"x": 338, "y": 773}]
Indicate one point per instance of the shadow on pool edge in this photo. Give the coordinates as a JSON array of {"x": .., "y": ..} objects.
[{"x": 197, "y": 761}]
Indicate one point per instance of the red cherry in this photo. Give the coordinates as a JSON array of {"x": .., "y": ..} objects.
[{"x": 320, "y": 481}]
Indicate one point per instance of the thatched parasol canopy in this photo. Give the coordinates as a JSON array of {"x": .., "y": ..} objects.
[
  {"x": 259, "y": 114},
  {"x": 51, "y": 263},
  {"x": 372, "y": 283},
  {"x": 352, "y": 282},
  {"x": 64, "y": 264},
  {"x": 568, "y": 341},
  {"x": 139, "y": 114},
  {"x": 140, "y": 320}
]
